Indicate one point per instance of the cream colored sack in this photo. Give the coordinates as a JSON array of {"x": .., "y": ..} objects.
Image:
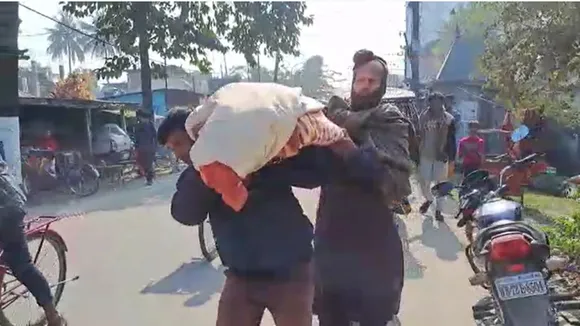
[{"x": 245, "y": 125}]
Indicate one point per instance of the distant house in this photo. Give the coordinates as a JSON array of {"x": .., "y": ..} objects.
[
  {"x": 175, "y": 98},
  {"x": 459, "y": 77}
]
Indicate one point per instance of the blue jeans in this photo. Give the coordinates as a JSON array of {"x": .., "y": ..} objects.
[{"x": 16, "y": 257}]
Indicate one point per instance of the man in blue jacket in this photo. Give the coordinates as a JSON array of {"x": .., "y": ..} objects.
[{"x": 267, "y": 246}]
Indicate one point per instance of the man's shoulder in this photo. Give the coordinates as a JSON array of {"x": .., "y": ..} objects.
[{"x": 190, "y": 174}]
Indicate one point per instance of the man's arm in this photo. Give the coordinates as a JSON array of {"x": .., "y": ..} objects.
[
  {"x": 316, "y": 166},
  {"x": 193, "y": 200},
  {"x": 451, "y": 143}
]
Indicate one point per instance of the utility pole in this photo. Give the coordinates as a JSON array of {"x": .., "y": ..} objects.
[
  {"x": 9, "y": 105},
  {"x": 165, "y": 76},
  {"x": 415, "y": 45}
]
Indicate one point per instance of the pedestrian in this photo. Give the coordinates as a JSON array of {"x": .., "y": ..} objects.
[
  {"x": 146, "y": 145},
  {"x": 358, "y": 250},
  {"x": 471, "y": 150},
  {"x": 437, "y": 149},
  {"x": 267, "y": 246},
  {"x": 15, "y": 253}
]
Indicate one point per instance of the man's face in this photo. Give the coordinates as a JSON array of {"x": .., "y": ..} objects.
[
  {"x": 180, "y": 143},
  {"x": 436, "y": 104},
  {"x": 367, "y": 79}
]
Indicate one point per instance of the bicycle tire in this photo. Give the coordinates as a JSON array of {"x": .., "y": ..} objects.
[
  {"x": 92, "y": 191},
  {"x": 60, "y": 249},
  {"x": 208, "y": 253}
]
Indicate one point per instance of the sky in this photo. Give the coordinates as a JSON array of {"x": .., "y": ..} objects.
[{"x": 340, "y": 28}]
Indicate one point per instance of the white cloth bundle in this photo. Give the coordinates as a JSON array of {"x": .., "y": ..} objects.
[{"x": 245, "y": 125}]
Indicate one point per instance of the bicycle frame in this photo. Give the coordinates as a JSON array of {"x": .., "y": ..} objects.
[{"x": 39, "y": 225}]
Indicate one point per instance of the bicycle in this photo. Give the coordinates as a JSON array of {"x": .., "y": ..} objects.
[
  {"x": 207, "y": 246},
  {"x": 12, "y": 290}
]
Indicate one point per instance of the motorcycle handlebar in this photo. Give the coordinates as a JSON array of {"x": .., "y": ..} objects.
[{"x": 518, "y": 163}]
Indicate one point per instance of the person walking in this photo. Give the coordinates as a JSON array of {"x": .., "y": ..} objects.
[
  {"x": 437, "y": 149},
  {"x": 146, "y": 145}
]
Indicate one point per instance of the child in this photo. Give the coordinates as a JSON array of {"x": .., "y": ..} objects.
[{"x": 471, "y": 150}]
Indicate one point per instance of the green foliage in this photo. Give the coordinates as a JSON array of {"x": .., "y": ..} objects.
[
  {"x": 190, "y": 30},
  {"x": 532, "y": 56},
  {"x": 65, "y": 42},
  {"x": 273, "y": 27},
  {"x": 565, "y": 235}
]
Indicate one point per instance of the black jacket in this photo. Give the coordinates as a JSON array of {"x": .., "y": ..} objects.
[{"x": 271, "y": 234}]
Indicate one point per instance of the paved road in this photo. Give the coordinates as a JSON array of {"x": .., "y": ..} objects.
[{"x": 139, "y": 267}]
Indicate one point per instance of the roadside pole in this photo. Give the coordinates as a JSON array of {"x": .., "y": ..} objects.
[
  {"x": 9, "y": 105},
  {"x": 415, "y": 50}
]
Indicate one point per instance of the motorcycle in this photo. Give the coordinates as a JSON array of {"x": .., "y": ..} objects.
[
  {"x": 48, "y": 170},
  {"x": 509, "y": 258}
]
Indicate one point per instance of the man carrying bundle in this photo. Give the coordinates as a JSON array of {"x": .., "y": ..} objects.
[
  {"x": 266, "y": 244},
  {"x": 358, "y": 251}
]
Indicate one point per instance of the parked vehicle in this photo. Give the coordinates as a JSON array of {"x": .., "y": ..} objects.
[
  {"x": 14, "y": 295},
  {"x": 48, "y": 170},
  {"x": 112, "y": 144},
  {"x": 509, "y": 258}
]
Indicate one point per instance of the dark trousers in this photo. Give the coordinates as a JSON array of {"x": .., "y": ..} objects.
[
  {"x": 339, "y": 308},
  {"x": 289, "y": 300},
  {"x": 16, "y": 257},
  {"x": 145, "y": 159}
]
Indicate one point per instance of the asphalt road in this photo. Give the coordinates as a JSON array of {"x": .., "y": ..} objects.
[{"x": 139, "y": 267}]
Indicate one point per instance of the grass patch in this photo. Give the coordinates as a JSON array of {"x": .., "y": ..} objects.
[{"x": 549, "y": 206}]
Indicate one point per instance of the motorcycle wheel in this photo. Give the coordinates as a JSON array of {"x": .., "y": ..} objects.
[{"x": 86, "y": 184}]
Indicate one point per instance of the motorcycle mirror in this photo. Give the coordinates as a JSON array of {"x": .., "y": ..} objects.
[
  {"x": 520, "y": 133},
  {"x": 442, "y": 189}
]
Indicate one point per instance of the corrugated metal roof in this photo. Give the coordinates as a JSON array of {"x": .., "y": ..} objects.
[{"x": 461, "y": 63}]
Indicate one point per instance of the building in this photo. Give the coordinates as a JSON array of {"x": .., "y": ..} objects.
[
  {"x": 175, "y": 98},
  {"x": 452, "y": 69}
]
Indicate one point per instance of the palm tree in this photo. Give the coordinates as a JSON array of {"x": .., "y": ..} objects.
[
  {"x": 93, "y": 45},
  {"x": 64, "y": 41}
]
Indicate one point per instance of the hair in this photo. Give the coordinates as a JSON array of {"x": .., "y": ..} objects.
[
  {"x": 174, "y": 121},
  {"x": 364, "y": 56},
  {"x": 436, "y": 95},
  {"x": 473, "y": 124}
]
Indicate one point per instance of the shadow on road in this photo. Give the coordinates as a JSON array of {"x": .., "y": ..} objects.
[
  {"x": 197, "y": 278},
  {"x": 413, "y": 267},
  {"x": 131, "y": 195},
  {"x": 441, "y": 238}
]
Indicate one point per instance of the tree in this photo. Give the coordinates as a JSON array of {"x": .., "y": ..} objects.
[
  {"x": 181, "y": 30},
  {"x": 531, "y": 57},
  {"x": 78, "y": 85},
  {"x": 65, "y": 42},
  {"x": 270, "y": 28},
  {"x": 96, "y": 47},
  {"x": 316, "y": 80}
]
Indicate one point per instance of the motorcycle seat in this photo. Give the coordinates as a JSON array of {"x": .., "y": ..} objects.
[{"x": 505, "y": 227}]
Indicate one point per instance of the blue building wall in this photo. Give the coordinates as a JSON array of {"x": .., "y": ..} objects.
[{"x": 159, "y": 107}]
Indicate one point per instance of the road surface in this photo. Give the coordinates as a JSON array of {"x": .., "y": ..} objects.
[{"x": 139, "y": 267}]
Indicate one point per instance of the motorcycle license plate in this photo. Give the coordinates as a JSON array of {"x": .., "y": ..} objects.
[{"x": 521, "y": 286}]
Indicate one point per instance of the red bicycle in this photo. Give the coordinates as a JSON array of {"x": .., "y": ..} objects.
[{"x": 13, "y": 294}]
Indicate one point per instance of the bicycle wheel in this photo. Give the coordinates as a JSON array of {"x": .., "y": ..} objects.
[
  {"x": 11, "y": 315},
  {"x": 206, "y": 241}
]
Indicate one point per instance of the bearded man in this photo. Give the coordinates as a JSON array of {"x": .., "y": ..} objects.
[{"x": 358, "y": 251}]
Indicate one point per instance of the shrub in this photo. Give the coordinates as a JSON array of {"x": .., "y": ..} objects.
[{"x": 565, "y": 235}]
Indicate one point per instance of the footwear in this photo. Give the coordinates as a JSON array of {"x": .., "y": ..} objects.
[
  {"x": 423, "y": 209},
  {"x": 438, "y": 216}
]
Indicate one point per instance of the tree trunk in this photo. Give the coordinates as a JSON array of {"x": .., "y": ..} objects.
[
  {"x": 277, "y": 66},
  {"x": 140, "y": 18},
  {"x": 9, "y": 59},
  {"x": 69, "y": 54},
  {"x": 259, "y": 69}
]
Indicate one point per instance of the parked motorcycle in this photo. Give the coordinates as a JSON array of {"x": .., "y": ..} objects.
[
  {"x": 510, "y": 258},
  {"x": 47, "y": 170}
]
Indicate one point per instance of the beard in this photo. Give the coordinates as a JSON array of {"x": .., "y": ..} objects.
[{"x": 364, "y": 102}]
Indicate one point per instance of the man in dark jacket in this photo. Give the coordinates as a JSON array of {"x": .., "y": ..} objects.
[
  {"x": 358, "y": 251},
  {"x": 146, "y": 144},
  {"x": 267, "y": 246}
]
